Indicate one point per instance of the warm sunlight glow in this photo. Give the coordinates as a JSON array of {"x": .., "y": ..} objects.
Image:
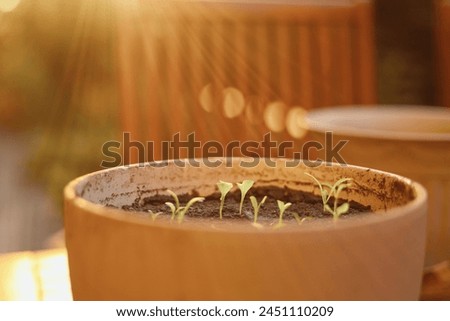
[
  {"x": 41, "y": 275},
  {"x": 8, "y": 5},
  {"x": 54, "y": 274},
  {"x": 18, "y": 280}
]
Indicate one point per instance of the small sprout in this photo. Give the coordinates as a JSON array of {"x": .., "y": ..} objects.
[
  {"x": 256, "y": 207},
  {"x": 337, "y": 211},
  {"x": 224, "y": 188},
  {"x": 154, "y": 215},
  {"x": 323, "y": 192},
  {"x": 175, "y": 197},
  {"x": 173, "y": 209},
  {"x": 182, "y": 210},
  {"x": 283, "y": 207},
  {"x": 334, "y": 191},
  {"x": 300, "y": 220},
  {"x": 178, "y": 210},
  {"x": 244, "y": 187}
]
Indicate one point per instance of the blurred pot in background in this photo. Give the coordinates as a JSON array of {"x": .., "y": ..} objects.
[{"x": 413, "y": 141}]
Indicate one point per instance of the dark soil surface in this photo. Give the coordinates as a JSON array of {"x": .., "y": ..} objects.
[{"x": 305, "y": 205}]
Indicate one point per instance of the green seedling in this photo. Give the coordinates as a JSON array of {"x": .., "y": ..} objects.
[
  {"x": 341, "y": 209},
  {"x": 180, "y": 211},
  {"x": 224, "y": 188},
  {"x": 333, "y": 191},
  {"x": 174, "y": 208},
  {"x": 244, "y": 187},
  {"x": 300, "y": 220},
  {"x": 282, "y": 207},
  {"x": 154, "y": 215},
  {"x": 256, "y": 208},
  {"x": 323, "y": 192}
]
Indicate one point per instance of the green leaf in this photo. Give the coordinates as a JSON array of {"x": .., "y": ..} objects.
[
  {"x": 175, "y": 197},
  {"x": 325, "y": 196},
  {"x": 263, "y": 200},
  {"x": 282, "y": 207},
  {"x": 342, "y": 209},
  {"x": 254, "y": 202},
  {"x": 244, "y": 187},
  {"x": 328, "y": 209},
  {"x": 224, "y": 188},
  {"x": 183, "y": 210},
  {"x": 340, "y": 189},
  {"x": 340, "y": 183},
  {"x": 327, "y": 185},
  {"x": 154, "y": 215},
  {"x": 172, "y": 209},
  {"x": 297, "y": 218},
  {"x": 343, "y": 180},
  {"x": 256, "y": 206},
  {"x": 323, "y": 192}
]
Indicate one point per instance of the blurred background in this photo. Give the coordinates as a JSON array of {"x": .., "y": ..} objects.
[{"x": 75, "y": 74}]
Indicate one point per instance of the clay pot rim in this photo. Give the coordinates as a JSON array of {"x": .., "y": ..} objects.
[
  {"x": 390, "y": 216},
  {"x": 321, "y": 121}
]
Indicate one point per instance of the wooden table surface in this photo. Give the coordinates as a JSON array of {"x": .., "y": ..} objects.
[{"x": 44, "y": 275}]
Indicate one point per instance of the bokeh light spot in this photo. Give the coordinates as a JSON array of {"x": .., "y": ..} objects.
[
  {"x": 233, "y": 102},
  {"x": 207, "y": 97},
  {"x": 295, "y": 122},
  {"x": 274, "y": 116}
]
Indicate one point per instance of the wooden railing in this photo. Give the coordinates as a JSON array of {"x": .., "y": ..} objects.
[{"x": 234, "y": 71}]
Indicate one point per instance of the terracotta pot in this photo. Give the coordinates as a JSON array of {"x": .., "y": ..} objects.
[
  {"x": 115, "y": 255},
  {"x": 410, "y": 141}
]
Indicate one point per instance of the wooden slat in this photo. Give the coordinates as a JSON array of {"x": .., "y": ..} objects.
[
  {"x": 326, "y": 51},
  {"x": 286, "y": 88},
  {"x": 366, "y": 54},
  {"x": 305, "y": 66},
  {"x": 345, "y": 67}
]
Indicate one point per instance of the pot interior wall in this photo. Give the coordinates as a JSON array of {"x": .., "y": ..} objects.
[{"x": 370, "y": 187}]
